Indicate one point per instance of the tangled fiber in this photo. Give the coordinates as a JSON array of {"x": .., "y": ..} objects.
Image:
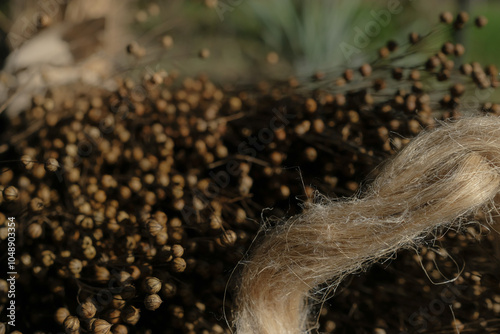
[{"x": 443, "y": 176}]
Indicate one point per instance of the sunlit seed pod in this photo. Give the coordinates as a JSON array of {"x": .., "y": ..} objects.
[
  {"x": 177, "y": 250},
  {"x": 118, "y": 302},
  {"x": 90, "y": 252},
  {"x": 71, "y": 324},
  {"x": 58, "y": 234},
  {"x": 153, "y": 227},
  {"x": 34, "y": 230},
  {"x": 10, "y": 194},
  {"x": 61, "y": 314},
  {"x": 481, "y": 21},
  {"x": 178, "y": 265},
  {"x": 152, "y": 302},
  {"x": 101, "y": 326},
  {"x": 87, "y": 310},
  {"x": 36, "y": 204},
  {"x": 151, "y": 285},
  {"x": 446, "y": 17},
  {"x": 120, "y": 329},
  {"x": 229, "y": 238},
  {"x": 28, "y": 162},
  {"x": 75, "y": 266}
]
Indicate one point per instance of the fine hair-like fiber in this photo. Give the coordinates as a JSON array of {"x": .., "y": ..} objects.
[{"x": 442, "y": 176}]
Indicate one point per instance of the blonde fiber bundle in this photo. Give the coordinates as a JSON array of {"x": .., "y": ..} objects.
[{"x": 443, "y": 176}]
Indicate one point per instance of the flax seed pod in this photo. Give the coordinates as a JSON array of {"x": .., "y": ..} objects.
[
  {"x": 75, "y": 267},
  {"x": 130, "y": 315},
  {"x": 10, "y": 194},
  {"x": 87, "y": 310},
  {"x": 61, "y": 314},
  {"x": 71, "y": 324},
  {"x": 152, "y": 302},
  {"x": 151, "y": 285},
  {"x": 100, "y": 326},
  {"x": 178, "y": 265}
]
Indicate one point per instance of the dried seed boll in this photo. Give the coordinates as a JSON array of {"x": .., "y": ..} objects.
[
  {"x": 152, "y": 302},
  {"x": 36, "y": 204},
  {"x": 446, "y": 17},
  {"x": 28, "y": 162},
  {"x": 71, "y": 324},
  {"x": 481, "y": 21},
  {"x": 75, "y": 266},
  {"x": 87, "y": 310},
  {"x": 10, "y": 194},
  {"x": 61, "y": 314},
  {"x": 34, "y": 230},
  {"x": 52, "y": 165},
  {"x": 130, "y": 315},
  {"x": 101, "y": 326},
  {"x": 365, "y": 70},
  {"x": 178, "y": 265},
  {"x": 90, "y": 252},
  {"x": 151, "y": 285},
  {"x": 229, "y": 238},
  {"x": 177, "y": 250},
  {"x": 118, "y": 302},
  {"x": 153, "y": 227},
  {"x": 120, "y": 329}
]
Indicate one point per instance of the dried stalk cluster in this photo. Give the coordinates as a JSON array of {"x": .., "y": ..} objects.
[{"x": 133, "y": 206}]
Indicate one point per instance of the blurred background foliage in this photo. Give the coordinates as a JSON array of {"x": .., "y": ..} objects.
[
  {"x": 306, "y": 35},
  {"x": 253, "y": 39}
]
